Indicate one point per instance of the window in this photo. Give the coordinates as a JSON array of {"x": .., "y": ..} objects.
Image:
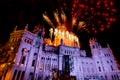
[
  {"x": 28, "y": 40},
  {"x": 18, "y": 75},
  {"x": 96, "y": 46},
  {"x": 111, "y": 61},
  {"x": 65, "y": 51},
  {"x": 25, "y": 40},
  {"x": 11, "y": 40},
  {"x": 117, "y": 77},
  {"x": 22, "y": 76},
  {"x": 33, "y": 63},
  {"x": 99, "y": 69},
  {"x": 15, "y": 72},
  {"x": 31, "y": 76},
  {"x": 41, "y": 66},
  {"x": 24, "y": 50},
  {"x": 35, "y": 54},
  {"x": 97, "y": 61},
  {"x": 106, "y": 77},
  {"x": 112, "y": 77},
  {"x": 28, "y": 51},
  {"x": 23, "y": 60},
  {"x": 112, "y": 68}
]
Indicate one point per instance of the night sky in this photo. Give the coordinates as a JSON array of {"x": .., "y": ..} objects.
[{"x": 22, "y": 12}]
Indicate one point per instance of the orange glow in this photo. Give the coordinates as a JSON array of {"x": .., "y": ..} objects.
[{"x": 69, "y": 39}]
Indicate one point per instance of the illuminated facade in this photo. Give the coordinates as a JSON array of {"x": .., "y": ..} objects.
[{"x": 37, "y": 60}]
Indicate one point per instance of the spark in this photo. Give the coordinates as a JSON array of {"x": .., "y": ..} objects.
[
  {"x": 48, "y": 20},
  {"x": 92, "y": 16},
  {"x": 56, "y": 15}
]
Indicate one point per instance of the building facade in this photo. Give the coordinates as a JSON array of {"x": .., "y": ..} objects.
[{"x": 33, "y": 60}]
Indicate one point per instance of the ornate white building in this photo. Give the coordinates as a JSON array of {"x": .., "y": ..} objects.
[{"x": 35, "y": 60}]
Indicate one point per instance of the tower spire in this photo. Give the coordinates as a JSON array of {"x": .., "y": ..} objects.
[
  {"x": 26, "y": 27},
  {"x": 108, "y": 46},
  {"x": 15, "y": 28}
]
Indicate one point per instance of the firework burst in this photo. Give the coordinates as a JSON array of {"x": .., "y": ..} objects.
[
  {"x": 91, "y": 16},
  {"x": 97, "y": 14}
]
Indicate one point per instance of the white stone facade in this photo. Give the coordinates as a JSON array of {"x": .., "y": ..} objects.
[{"x": 35, "y": 61}]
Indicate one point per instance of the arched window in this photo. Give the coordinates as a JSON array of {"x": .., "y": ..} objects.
[
  {"x": 99, "y": 69},
  {"x": 24, "y": 50},
  {"x": 33, "y": 63},
  {"x": 23, "y": 59},
  {"x": 31, "y": 76},
  {"x": 22, "y": 76},
  {"x": 18, "y": 75},
  {"x": 41, "y": 58},
  {"x": 93, "y": 46},
  {"x": 14, "y": 75},
  {"x": 35, "y": 54},
  {"x": 112, "y": 68},
  {"x": 11, "y": 40},
  {"x": 25, "y": 40}
]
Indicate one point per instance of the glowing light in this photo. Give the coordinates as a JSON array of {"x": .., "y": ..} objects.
[
  {"x": 63, "y": 16},
  {"x": 57, "y": 17},
  {"x": 84, "y": 15},
  {"x": 86, "y": 11},
  {"x": 81, "y": 24},
  {"x": 48, "y": 20},
  {"x": 11, "y": 48},
  {"x": 68, "y": 37},
  {"x": 73, "y": 21}
]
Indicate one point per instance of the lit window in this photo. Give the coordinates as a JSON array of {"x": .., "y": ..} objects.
[
  {"x": 24, "y": 49},
  {"x": 42, "y": 67},
  {"x": 11, "y": 40}
]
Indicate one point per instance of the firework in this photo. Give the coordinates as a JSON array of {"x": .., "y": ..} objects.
[
  {"x": 56, "y": 15},
  {"x": 91, "y": 16},
  {"x": 97, "y": 14},
  {"x": 60, "y": 31},
  {"x": 48, "y": 20}
]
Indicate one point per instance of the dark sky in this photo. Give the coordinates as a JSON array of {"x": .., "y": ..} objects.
[{"x": 22, "y": 12}]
